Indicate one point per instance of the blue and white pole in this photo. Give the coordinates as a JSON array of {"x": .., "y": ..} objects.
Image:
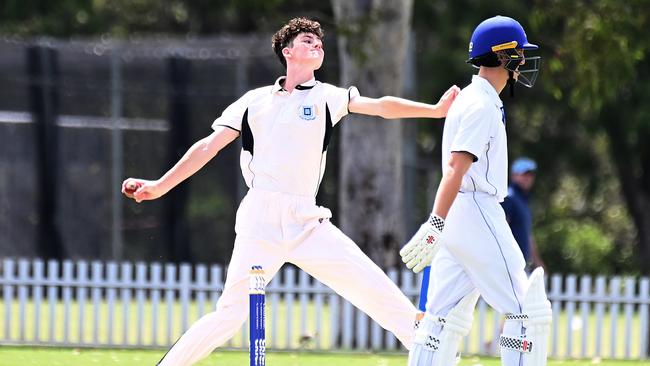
[
  {"x": 257, "y": 336},
  {"x": 424, "y": 289}
]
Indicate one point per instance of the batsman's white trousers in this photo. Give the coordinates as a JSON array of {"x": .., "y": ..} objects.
[
  {"x": 479, "y": 251},
  {"x": 274, "y": 228}
]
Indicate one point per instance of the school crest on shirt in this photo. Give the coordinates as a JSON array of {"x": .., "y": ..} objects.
[{"x": 308, "y": 112}]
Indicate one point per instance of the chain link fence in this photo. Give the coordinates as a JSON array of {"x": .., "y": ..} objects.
[{"x": 79, "y": 116}]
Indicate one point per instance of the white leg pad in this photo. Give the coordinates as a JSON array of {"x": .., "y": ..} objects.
[
  {"x": 458, "y": 324},
  {"x": 536, "y": 318},
  {"x": 444, "y": 347}
]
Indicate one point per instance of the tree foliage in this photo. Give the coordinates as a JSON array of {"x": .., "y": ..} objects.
[
  {"x": 598, "y": 74},
  {"x": 121, "y": 18}
]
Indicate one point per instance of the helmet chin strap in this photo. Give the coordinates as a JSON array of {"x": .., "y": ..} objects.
[{"x": 511, "y": 82}]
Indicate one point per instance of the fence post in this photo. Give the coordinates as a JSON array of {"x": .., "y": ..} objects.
[
  {"x": 52, "y": 287},
  {"x": 600, "y": 313},
  {"x": 141, "y": 284},
  {"x": 614, "y": 296},
  {"x": 201, "y": 284},
  {"x": 585, "y": 294},
  {"x": 179, "y": 137},
  {"x": 67, "y": 299},
  {"x": 644, "y": 300},
  {"x": 170, "y": 287},
  {"x": 38, "y": 297},
  {"x": 111, "y": 290},
  {"x": 570, "y": 307},
  {"x": 23, "y": 277},
  {"x": 125, "y": 293},
  {"x": 303, "y": 290},
  {"x": 82, "y": 281},
  {"x": 42, "y": 68},
  {"x": 333, "y": 301},
  {"x": 289, "y": 289},
  {"x": 96, "y": 293},
  {"x": 7, "y": 294},
  {"x": 156, "y": 283},
  {"x": 630, "y": 287},
  {"x": 318, "y": 305}
]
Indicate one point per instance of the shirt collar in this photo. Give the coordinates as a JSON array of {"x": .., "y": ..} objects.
[
  {"x": 278, "y": 86},
  {"x": 486, "y": 87}
]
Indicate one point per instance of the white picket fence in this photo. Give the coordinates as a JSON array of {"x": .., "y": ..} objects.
[{"x": 142, "y": 305}]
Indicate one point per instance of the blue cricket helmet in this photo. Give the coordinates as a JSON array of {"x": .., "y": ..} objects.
[
  {"x": 499, "y": 41},
  {"x": 496, "y": 34}
]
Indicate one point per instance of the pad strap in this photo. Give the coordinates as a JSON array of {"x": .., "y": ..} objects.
[
  {"x": 516, "y": 317},
  {"x": 436, "y": 320},
  {"x": 519, "y": 344},
  {"x": 429, "y": 342}
]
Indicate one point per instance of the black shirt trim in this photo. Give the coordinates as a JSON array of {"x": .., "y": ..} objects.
[
  {"x": 247, "y": 142},
  {"x": 329, "y": 126}
]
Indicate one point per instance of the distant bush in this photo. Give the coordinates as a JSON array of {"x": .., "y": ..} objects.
[{"x": 572, "y": 246}]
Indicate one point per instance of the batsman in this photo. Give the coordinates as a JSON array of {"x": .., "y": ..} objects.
[{"x": 466, "y": 239}]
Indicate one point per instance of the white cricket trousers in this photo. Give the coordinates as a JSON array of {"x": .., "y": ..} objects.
[
  {"x": 274, "y": 228},
  {"x": 479, "y": 251}
]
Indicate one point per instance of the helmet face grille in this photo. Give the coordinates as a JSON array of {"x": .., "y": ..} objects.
[
  {"x": 528, "y": 72},
  {"x": 525, "y": 69}
]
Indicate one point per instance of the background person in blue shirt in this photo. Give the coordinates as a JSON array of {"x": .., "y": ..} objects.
[{"x": 517, "y": 209}]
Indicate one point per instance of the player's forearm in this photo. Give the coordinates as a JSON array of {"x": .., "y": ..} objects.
[
  {"x": 447, "y": 192},
  {"x": 393, "y": 107},
  {"x": 194, "y": 159}
]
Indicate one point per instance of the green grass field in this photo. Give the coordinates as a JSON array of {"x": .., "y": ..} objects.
[{"x": 28, "y": 356}]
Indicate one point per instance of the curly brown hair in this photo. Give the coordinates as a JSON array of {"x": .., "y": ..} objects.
[{"x": 285, "y": 36}]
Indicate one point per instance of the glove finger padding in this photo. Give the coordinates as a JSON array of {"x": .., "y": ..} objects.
[
  {"x": 426, "y": 260},
  {"x": 412, "y": 253},
  {"x": 420, "y": 250},
  {"x": 413, "y": 261},
  {"x": 411, "y": 249},
  {"x": 408, "y": 252}
]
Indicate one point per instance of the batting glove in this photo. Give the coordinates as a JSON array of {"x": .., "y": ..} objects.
[{"x": 423, "y": 246}]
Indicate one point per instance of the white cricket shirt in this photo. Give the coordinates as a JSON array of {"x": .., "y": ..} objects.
[
  {"x": 475, "y": 123},
  {"x": 285, "y": 135}
]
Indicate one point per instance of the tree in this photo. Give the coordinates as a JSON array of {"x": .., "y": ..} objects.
[
  {"x": 599, "y": 70},
  {"x": 372, "y": 47}
]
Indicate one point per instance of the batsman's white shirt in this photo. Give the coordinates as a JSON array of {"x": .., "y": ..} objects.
[
  {"x": 284, "y": 147},
  {"x": 476, "y": 124}
]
